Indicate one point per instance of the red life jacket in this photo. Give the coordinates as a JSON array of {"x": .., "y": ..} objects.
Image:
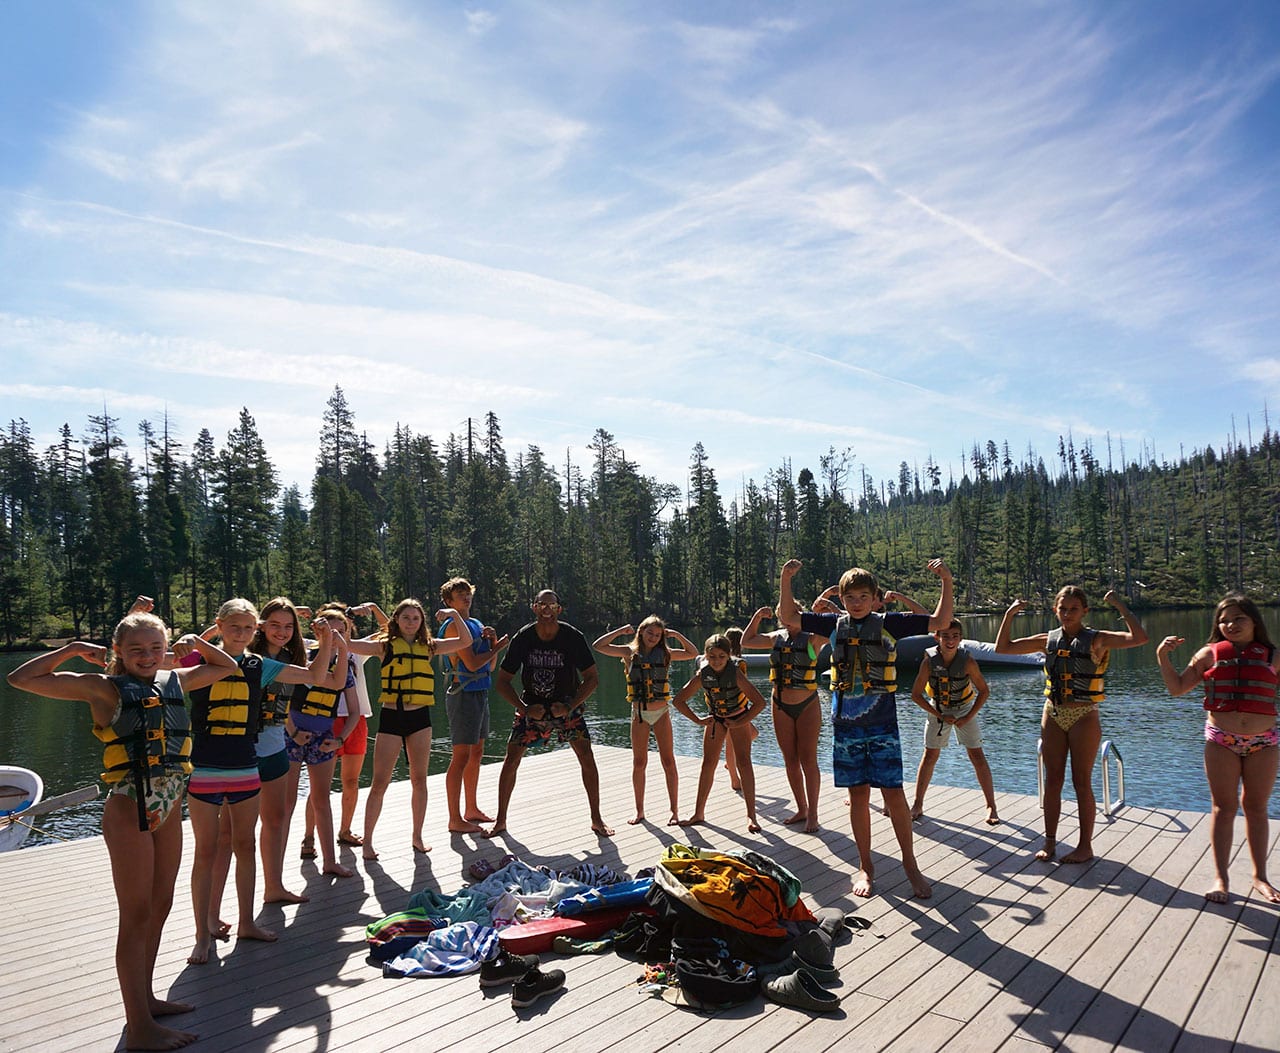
[{"x": 1241, "y": 679}]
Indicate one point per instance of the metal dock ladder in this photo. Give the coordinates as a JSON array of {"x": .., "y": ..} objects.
[{"x": 1109, "y": 750}]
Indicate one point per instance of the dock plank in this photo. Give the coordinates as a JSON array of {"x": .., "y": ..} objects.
[{"x": 1008, "y": 954}]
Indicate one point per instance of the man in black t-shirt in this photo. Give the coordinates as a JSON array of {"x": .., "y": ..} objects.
[{"x": 557, "y": 675}]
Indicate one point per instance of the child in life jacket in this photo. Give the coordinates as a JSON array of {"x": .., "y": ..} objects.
[
  {"x": 647, "y": 661},
  {"x": 1238, "y": 667},
  {"x": 866, "y": 748},
  {"x": 732, "y": 703},
  {"x": 406, "y": 648},
  {"x": 1076, "y": 657},
  {"x": 139, "y": 713},
  {"x": 950, "y": 688}
]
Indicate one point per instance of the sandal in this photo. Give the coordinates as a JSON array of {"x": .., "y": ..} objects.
[
  {"x": 308, "y": 848},
  {"x": 346, "y": 837}
]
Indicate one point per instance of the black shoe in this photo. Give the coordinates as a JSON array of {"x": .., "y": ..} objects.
[
  {"x": 534, "y": 984},
  {"x": 505, "y": 968}
]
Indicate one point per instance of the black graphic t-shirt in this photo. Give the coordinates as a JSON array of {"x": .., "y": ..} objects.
[{"x": 548, "y": 668}]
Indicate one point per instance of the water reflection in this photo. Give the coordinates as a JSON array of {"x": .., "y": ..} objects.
[{"x": 1161, "y": 738}]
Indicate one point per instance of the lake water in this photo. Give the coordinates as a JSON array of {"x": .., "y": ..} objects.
[{"x": 1161, "y": 738}]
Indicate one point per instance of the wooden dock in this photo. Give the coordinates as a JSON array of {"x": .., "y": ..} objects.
[{"x": 1010, "y": 954}]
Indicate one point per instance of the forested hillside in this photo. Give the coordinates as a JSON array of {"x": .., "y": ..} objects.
[{"x": 88, "y": 523}]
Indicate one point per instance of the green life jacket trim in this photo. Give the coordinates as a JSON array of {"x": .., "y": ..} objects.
[{"x": 792, "y": 663}]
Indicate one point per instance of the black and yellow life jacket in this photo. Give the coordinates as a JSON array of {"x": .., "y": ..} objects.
[
  {"x": 791, "y": 664},
  {"x": 949, "y": 685},
  {"x": 865, "y": 651},
  {"x": 316, "y": 701},
  {"x": 231, "y": 706},
  {"x": 724, "y": 696},
  {"x": 647, "y": 683},
  {"x": 1072, "y": 677},
  {"x": 408, "y": 679},
  {"x": 151, "y": 729}
]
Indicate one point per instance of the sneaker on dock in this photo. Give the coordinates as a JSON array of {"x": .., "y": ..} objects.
[
  {"x": 505, "y": 968},
  {"x": 534, "y": 984}
]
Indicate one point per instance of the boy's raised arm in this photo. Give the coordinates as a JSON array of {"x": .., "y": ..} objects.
[{"x": 945, "y": 611}]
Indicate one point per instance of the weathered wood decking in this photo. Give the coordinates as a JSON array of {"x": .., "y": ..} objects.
[{"x": 1009, "y": 954}]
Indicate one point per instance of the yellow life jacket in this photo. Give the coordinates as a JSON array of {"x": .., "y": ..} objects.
[
  {"x": 865, "y": 651},
  {"x": 647, "y": 683},
  {"x": 316, "y": 701},
  {"x": 1071, "y": 676},
  {"x": 724, "y": 696},
  {"x": 230, "y": 706},
  {"x": 791, "y": 664},
  {"x": 151, "y": 729},
  {"x": 408, "y": 679},
  {"x": 949, "y": 685}
]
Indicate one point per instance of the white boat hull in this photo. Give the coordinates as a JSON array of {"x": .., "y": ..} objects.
[{"x": 20, "y": 789}]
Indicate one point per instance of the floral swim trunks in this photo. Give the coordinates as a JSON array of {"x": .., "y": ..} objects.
[
  {"x": 528, "y": 731},
  {"x": 167, "y": 788}
]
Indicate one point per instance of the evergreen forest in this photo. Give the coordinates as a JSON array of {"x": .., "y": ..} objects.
[{"x": 91, "y": 522}]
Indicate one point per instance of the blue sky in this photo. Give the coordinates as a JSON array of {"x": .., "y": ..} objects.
[{"x": 772, "y": 228}]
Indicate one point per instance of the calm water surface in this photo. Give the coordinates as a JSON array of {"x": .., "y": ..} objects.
[{"x": 1161, "y": 738}]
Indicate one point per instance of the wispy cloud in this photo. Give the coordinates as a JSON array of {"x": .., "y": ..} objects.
[{"x": 770, "y": 233}]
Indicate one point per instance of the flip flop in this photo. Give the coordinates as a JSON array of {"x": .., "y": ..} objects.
[
  {"x": 308, "y": 848},
  {"x": 346, "y": 837}
]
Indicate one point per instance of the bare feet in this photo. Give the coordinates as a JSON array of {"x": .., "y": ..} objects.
[
  {"x": 1266, "y": 890},
  {"x": 478, "y": 817},
  {"x": 920, "y": 888},
  {"x": 793, "y": 820},
  {"x": 1079, "y": 854},
  {"x": 338, "y": 870},
  {"x": 247, "y": 930},
  {"x": 219, "y": 929},
  {"x": 494, "y": 831},
  {"x": 812, "y": 827},
  {"x": 157, "y": 1037},
  {"x": 992, "y": 818},
  {"x": 917, "y": 811},
  {"x": 346, "y": 837},
  {"x": 601, "y": 828},
  {"x": 753, "y": 826},
  {"x": 1046, "y": 854},
  {"x": 164, "y": 1007},
  {"x": 693, "y": 820},
  {"x": 420, "y": 848},
  {"x": 1217, "y": 893},
  {"x": 863, "y": 886},
  {"x": 283, "y": 895},
  {"x": 465, "y": 827},
  {"x": 637, "y": 820},
  {"x": 674, "y": 820},
  {"x": 200, "y": 952},
  {"x": 369, "y": 854}
]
